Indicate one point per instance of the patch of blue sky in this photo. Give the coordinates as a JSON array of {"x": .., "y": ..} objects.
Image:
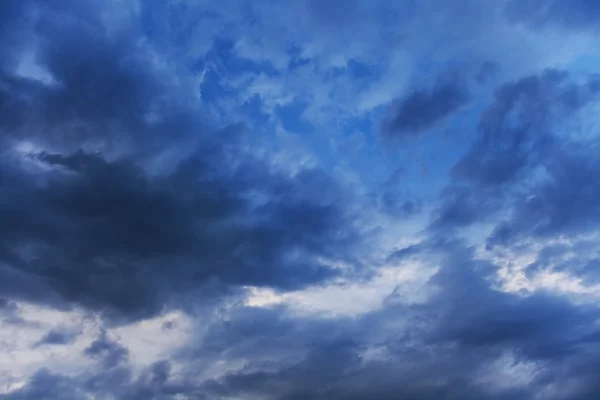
[{"x": 588, "y": 63}]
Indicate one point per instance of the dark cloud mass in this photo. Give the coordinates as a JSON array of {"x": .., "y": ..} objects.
[
  {"x": 445, "y": 348},
  {"x": 516, "y": 129},
  {"x": 97, "y": 229},
  {"x": 110, "y": 352},
  {"x": 516, "y": 135},
  {"x": 423, "y": 109},
  {"x": 163, "y": 236},
  {"x": 563, "y": 205},
  {"x": 115, "y": 230}
]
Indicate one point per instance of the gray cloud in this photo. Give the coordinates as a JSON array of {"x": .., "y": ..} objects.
[
  {"x": 564, "y": 204},
  {"x": 423, "y": 109},
  {"x": 56, "y": 337},
  {"x": 516, "y": 134},
  {"x": 130, "y": 202},
  {"x": 108, "y": 351},
  {"x": 516, "y": 129},
  {"x": 441, "y": 350},
  {"x": 88, "y": 224}
]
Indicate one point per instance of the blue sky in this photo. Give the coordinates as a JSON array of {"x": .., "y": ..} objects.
[{"x": 289, "y": 200}]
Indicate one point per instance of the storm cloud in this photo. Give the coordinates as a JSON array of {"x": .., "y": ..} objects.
[
  {"x": 200, "y": 200},
  {"x": 100, "y": 230}
]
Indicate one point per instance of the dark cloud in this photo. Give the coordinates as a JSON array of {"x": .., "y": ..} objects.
[
  {"x": 469, "y": 310},
  {"x": 7, "y": 306},
  {"x": 563, "y": 204},
  {"x": 10, "y": 312},
  {"x": 88, "y": 223},
  {"x": 423, "y": 109},
  {"x": 106, "y": 230},
  {"x": 154, "y": 383},
  {"x": 519, "y": 134},
  {"x": 56, "y": 337},
  {"x": 101, "y": 89},
  {"x": 516, "y": 134},
  {"x": 516, "y": 129},
  {"x": 535, "y": 327},
  {"x": 466, "y": 340},
  {"x": 118, "y": 196},
  {"x": 266, "y": 335},
  {"x": 45, "y": 384},
  {"x": 108, "y": 351},
  {"x": 461, "y": 207},
  {"x": 441, "y": 350}
]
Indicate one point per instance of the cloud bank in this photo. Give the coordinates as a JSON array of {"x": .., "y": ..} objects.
[{"x": 299, "y": 200}]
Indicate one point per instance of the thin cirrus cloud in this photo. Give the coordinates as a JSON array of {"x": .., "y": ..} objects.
[{"x": 178, "y": 221}]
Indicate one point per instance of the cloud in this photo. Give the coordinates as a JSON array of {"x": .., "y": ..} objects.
[
  {"x": 110, "y": 352},
  {"x": 461, "y": 207},
  {"x": 423, "y": 109},
  {"x": 9, "y": 311},
  {"x": 93, "y": 225},
  {"x": 516, "y": 130},
  {"x": 126, "y": 228},
  {"x": 133, "y": 201},
  {"x": 561, "y": 205},
  {"x": 56, "y": 337},
  {"x": 467, "y": 339},
  {"x": 44, "y": 384},
  {"x": 440, "y": 347},
  {"x": 517, "y": 134}
]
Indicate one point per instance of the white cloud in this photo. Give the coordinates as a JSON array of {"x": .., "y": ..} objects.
[
  {"x": 148, "y": 341},
  {"x": 350, "y": 298}
]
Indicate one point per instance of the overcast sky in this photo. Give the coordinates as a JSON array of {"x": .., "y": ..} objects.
[{"x": 299, "y": 199}]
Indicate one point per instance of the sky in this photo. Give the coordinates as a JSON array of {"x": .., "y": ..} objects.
[{"x": 299, "y": 199}]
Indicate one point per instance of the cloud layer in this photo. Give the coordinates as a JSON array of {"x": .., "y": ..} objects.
[{"x": 298, "y": 200}]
